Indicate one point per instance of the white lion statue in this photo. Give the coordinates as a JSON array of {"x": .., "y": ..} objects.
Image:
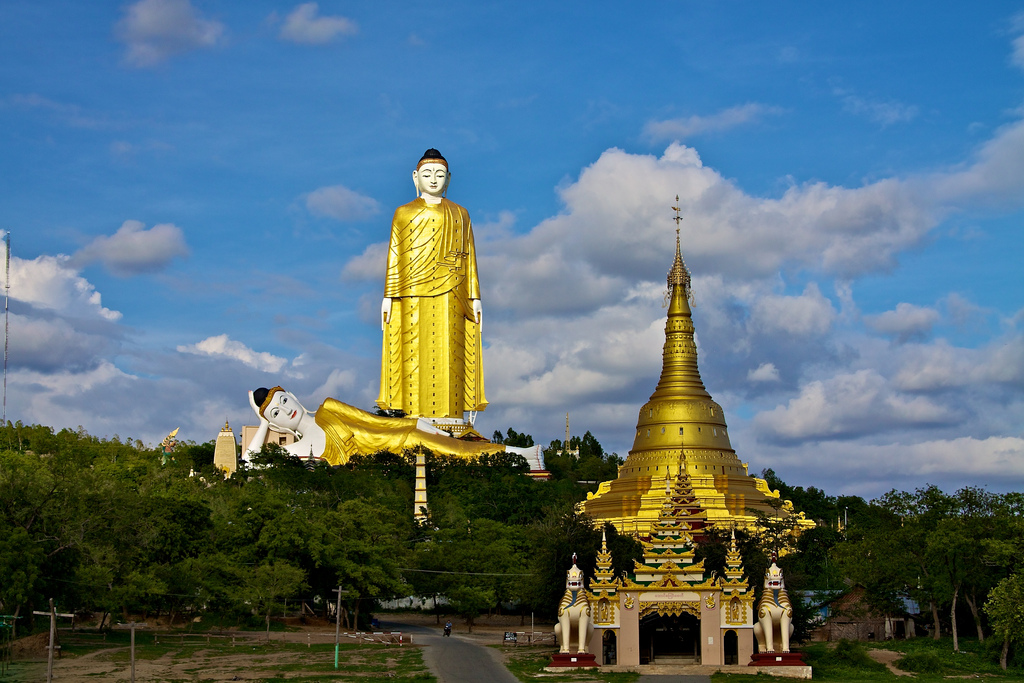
[
  {"x": 574, "y": 613},
  {"x": 774, "y": 613}
]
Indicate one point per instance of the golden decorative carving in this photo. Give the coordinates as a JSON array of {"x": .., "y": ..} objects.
[
  {"x": 667, "y": 582},
  {"x": 670, "y": 608},
  {"x": 629, "y": 602},
  {"x": 709, "y": 601},
  {"x": 735, "y": 614},
  {"x": 627, "y": 582},
  {"x": 605, "y": 612}
]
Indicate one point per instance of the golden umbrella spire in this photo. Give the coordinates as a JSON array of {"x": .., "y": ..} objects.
[
  {"x": 678, "y": 274},
  {"x": 679, "y": 373}
]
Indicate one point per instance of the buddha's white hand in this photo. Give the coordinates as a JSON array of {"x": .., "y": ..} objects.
[
  {"x": 478, "y": 311},
  {"x": 256, "y": 408},
  {"x": 385, "y": 312}
]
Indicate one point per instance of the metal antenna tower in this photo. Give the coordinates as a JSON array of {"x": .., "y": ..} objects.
[{"x": 7, "y": 317}]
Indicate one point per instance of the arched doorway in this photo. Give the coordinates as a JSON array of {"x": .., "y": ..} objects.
[
  {"x": 731, "y": 647},
  {"x": 608, "y": 643},
  {"x": 666, "y": 639}
]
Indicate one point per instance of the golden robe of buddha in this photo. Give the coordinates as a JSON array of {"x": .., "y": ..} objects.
[
  {"x": 350, "y": 430},
  {"x": 431, "y": 365},
  {"x": 337, "y": 431}
]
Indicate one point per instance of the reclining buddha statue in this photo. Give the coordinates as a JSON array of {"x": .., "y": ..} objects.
[{"x": 336, "y": 431}]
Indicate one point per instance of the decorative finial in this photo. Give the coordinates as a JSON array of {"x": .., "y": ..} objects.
[
  {"x": 574, "y": 559},
  {"x": 679, "y": 275}
]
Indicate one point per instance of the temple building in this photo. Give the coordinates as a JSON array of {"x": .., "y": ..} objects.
[
  {"x": 667, "y": 610},
  {"x": 681, "y": 427},
  {"x": 225, "y": 451}
]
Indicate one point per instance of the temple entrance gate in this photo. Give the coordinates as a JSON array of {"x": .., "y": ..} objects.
[{"x": 670, "y": 639}]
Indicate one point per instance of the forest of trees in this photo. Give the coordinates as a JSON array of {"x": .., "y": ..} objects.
[{"x": 101, "y": 525}]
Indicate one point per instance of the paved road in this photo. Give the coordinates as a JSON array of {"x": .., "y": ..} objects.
[{"x": 458, "y": 659}]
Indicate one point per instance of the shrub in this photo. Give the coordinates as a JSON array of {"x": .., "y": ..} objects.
[
  {"x": 850, "y": 653},
  {"x": 846, "y": 654},
  {"x": 920, "y": 662}
]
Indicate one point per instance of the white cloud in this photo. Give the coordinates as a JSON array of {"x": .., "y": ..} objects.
[
  {"x": 71, "y": 114},
  {"x": 869, "y": 469},
  {"x": 50, "y": 284},
  {"x": 806, "y": 314},
  {"x": 994, "y": 178},
  {"x": 338, "y": 383},
  {"x": 847, "y": 405},
  {"x": 904, "y": 323},
  {"x": 154, "y": 30},
  {"x": 368, "y": 266},
  {"x": 304, "y": 25},
  {"x": 341, "y": 203},
  {"x": 1017, "y": 45},
  {"x": 683, "y": 128},
  {"x": 49, "y": 343},
  {"x": 221, "y": 346},
  {"x": 133, "y": 250},
  {"x": 765, "y": 372},
  {"x": 942, "y": 366},
  {"x": 960, "y": 310},
  {"x": 883, "y": 113}
]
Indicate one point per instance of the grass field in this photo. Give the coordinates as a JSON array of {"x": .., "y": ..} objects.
[{"x": 220, "y": 661}]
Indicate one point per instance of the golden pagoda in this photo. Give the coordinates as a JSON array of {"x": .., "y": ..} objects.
[
  {"x": 682, "y": 427},
  {"x": 225, "y": 453}
]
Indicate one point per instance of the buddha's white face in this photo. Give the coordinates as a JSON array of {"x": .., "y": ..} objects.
[
  {"x": 284, "y": 411},
  {"x": 431, "y": 178}
]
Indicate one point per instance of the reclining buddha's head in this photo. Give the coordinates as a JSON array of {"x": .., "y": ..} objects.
[{"x": 280, "y": 408}]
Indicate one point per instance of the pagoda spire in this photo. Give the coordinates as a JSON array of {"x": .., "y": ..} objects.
[
  {"x": 679, "y": 374},
  {"x": 681, "y": 432}
]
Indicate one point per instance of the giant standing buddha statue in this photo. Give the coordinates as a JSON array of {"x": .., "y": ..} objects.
[
  {"x": 431, "y": 363},
  {"x": 682, "y": 427},
  {"x": 431, "y": 373}
]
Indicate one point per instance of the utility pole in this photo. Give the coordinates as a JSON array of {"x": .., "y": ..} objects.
[
  {"x": 53, "y": 637},
  {"x": 7, "y": 318},
  {"x": 133, "y": 651},
  {"x": 337, "y": 624}
]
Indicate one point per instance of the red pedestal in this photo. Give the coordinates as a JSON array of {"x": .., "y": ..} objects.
[
  {"x": 777, "y": 659},
  {"x": 573, "y": 661}
]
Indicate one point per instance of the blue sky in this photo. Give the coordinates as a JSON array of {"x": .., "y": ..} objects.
[{"x": 198, "y": 193}]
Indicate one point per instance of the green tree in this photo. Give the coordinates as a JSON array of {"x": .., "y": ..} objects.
[
  {"x": 269, "y": 583},
  {"x": 512, "y": 438},
  {"x": 21, "y": 559},
  {"x": 364, "y": 548},
  {"x": 476, "y": 565},
  {"x": 1005, "y": 610}
]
